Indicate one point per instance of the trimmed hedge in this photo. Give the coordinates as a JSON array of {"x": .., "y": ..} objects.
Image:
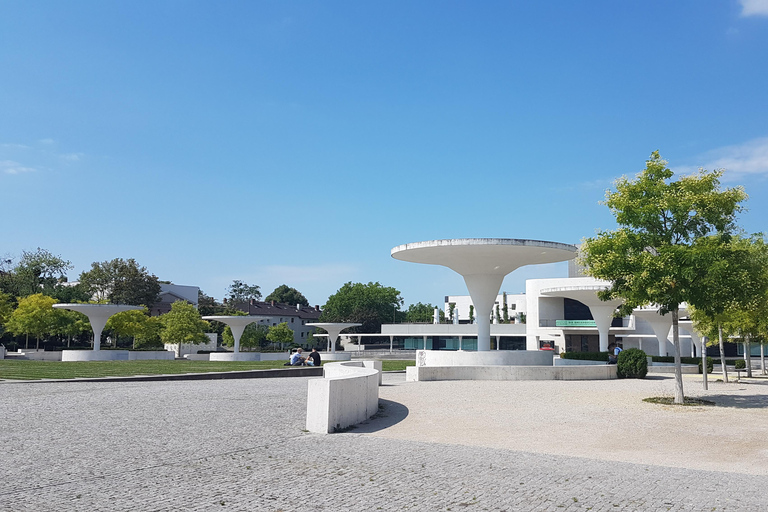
[
  {"x": 585, "y": 356},
  {"x": 740, "y": 364},
  {"x": 632, "y": 363}
]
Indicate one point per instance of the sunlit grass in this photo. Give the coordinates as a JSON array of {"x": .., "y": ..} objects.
[{"x": 35, "y": 370}]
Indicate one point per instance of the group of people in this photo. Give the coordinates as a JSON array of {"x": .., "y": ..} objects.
[{"x": 297, "y": 358}]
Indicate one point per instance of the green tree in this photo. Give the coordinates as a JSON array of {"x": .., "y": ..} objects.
[
  {"x": 280, "y": 334},
  {"x": 128, "y": 323},
  {"x": 733, "y": 294},
  {"x": 368, "y": 304},
  {"x": 183, "y": 325},
  {"x": 71, "y": 324},
  {"x": 504, "y": 308},
  {"x": 34, "y": 316},
  {"x": 6, "y": 307},
  {"x": 37, "y": 271},
  {"x": 650, "y": 258},
  {"x": 121, "y": 281},
  {"x": 471, "y": 313},
  {"x": 254, "y": 336},
  {"x": 149, "y": 337},
  {"x": 420, "y": 313},
  {"x": 240, "y": 293},
  {"x": 287, "y": 295}
]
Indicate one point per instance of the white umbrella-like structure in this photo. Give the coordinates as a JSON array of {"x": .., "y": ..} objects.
[
  {"x": 333, "y": 329},
  {"x": 483, "y": 263},
  {"x": 602, "y": 311},
  {"x": 97, "y": 314},
  {"x": 237, "y": 324}
]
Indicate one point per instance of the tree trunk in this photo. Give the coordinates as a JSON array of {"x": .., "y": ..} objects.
[
  {"x": 679, "y": 395},
  {"x": 722, "y": 352},
  {"x": 704, "y": 340},
  {"x": 762, "y": 358},
  {"x": 26, "y": 344},
  {"x": 748, "y": 355}
]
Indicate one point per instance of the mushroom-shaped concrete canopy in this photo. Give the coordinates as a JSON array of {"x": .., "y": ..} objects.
[
  {"x": 483, "y": 262},
  {"x": 237, "y": 324},
  {"x": 602, "y": 311},
  {"x": 97, "y": 314},
  {"x": 333, "y": 328}
]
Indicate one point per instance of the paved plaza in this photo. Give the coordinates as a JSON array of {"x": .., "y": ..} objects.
[{"x": 240, "y": 445}]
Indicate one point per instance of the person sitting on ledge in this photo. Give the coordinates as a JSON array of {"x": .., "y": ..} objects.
[
  {"x": 314, "y": 358},
  {"x": 297, "y": 359},
  {"x": 613, "y": 353}
]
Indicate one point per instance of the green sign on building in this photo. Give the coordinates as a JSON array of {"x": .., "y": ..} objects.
[{"x": 575, "y": 323}]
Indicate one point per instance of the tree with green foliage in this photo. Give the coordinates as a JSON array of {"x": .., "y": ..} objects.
[
  {"x": 254, "y": 336},
  {"x": 6, "y": 307},
  {"x": 71, "y": 324},
  {"x": 241, "y": 293},
  {"x": 37, "y": 271},
  {"x": 733, "y": 293},
  {"x": 650, "y": 258},
  {"x": 451, "y": 311},
  {"x": 471, "y": 313},
  {"x": 286, "y": 295},
  {"x": 368, "y": 304},
  {"x": 121, "y": 281},
  {"x": 420, "y": 313},
  {"x": 504, "y": 309},
  {"x": 128, "y": 323},
  {"x": 280, "y": 334},
  {"x": 183, "y": 325},
  {"x": 34, "y": 316},
  {"x": 149, "y": 336}
]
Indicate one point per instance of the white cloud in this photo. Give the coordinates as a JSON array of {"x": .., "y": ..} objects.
[
  {"x": 749, "y": 158},
  {"x": 47, "y": 142},
  {"x": 754, "y": 8},
  {"x": 13, "y": 146},
  {"x": 11, "y": 167},
  {"x": 72, "y": 157}
]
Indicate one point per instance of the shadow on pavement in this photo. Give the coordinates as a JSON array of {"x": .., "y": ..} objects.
[
  {"x": 739, "y": 402},
  {"x": 390, "y": 413}
]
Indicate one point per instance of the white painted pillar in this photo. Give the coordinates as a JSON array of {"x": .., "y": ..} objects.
[
  {"x": 425, "y": 343},
  {"x": 498, "y": 342},
  {"x": 661, "y": 327},
  {"x": 603, "y": 316},
  {"x": 237, "y": 332},
  {"x": 483, "y": 288},
  {"x": 460, "y": 342},
  {"x": 391, "y": 342},
  {"x": 97, "y": 324}
]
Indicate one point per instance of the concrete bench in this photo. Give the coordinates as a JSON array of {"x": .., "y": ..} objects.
[{"x": 347, "y": 394}]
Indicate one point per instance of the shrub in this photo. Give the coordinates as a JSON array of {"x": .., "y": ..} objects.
[
  {"x": 740, "y": 364},
  {"x": 632, "y": 364},
  {"x": 585, "y": 356},
  {"x": 710, "y": 365}
]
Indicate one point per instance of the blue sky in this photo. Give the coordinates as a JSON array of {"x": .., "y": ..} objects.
[{"x": 298, "y": 142}]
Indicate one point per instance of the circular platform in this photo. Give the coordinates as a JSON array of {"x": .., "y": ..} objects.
[{"x": 234, "y": 356}]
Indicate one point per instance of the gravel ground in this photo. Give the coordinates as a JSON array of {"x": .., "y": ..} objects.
[{"x": 239, "y": 445}]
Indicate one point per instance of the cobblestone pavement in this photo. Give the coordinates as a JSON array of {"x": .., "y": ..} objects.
[{"x": 239, "y": 445}]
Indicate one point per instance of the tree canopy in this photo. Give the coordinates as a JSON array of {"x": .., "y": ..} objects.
[
  {"x": 287, "y": 295},
  {"x": 420, "y": 313},
  {"x": 34, "y": 316},
  {"x": 121, "y": 281},
  {"x": 653, "y": 258},
  {"x": 280, "y": 334},
  {"x": 368, "y": 304},
  {"x": 240, "y": 293},
  {"x": 182, "y": 324}
]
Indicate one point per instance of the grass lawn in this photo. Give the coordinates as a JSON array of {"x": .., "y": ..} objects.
[{"x": 33, "y": 370}]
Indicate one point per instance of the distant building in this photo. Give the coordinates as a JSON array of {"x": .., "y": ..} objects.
[
  {"x": 296, "y": 316},
  {"x": 170, "y": 293}
]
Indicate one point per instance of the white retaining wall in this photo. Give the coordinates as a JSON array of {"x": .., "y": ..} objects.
[
  {"x": 347, "y": 394},
  {"x": 592, "y": 372},
  {"x": 484, "y": 358},
  {"x": 143, "y": 355}
]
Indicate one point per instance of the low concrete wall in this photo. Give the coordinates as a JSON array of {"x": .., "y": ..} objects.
[
  {"x": 582, "y": 372},
  {"x": 197, "y": 357},
  {"x": 670, "y": 368},
  {"x": 275, "y": 356},
  {"x": 484, "y": 358},
  {"x": 144, "y": 355},
  {"x": 576, "y": 362},
  {"x": 94, "y": 355},
  {"x": 37, "y": 355},
  {"x": 347, "y": 394},
  {"x": 234, "y": 356}
]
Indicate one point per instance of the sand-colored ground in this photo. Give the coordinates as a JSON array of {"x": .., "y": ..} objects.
[{"x": 604, "y": 420}]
